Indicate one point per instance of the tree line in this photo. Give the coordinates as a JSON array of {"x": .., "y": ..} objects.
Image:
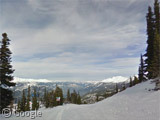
[
  {"x": 49, "y": 99},
  {"x": 26, "y": 103},
  {"x": 73, "y": 97},
  {"x": 53, "y": 98}
]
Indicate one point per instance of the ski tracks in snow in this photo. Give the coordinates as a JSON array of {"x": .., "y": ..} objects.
[{"x": 60, "y": 113}]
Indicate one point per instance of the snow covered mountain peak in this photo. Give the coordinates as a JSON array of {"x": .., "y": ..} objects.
[
  {"x": 116, "y": 79},
  {"x": 16, "y": 80}
]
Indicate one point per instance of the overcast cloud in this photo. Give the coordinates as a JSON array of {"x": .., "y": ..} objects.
[{"x": 75, "y": 39}]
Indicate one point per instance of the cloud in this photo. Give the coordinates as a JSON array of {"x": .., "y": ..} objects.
[
  {"x": 80, "y": 39},
  {"x": 70, "y": 68}
]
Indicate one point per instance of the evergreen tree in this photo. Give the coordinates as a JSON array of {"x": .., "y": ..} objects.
[
  {"x": 123, "y": 86},
  {"x": 141, "y": 74},
  {"x": 28, "y": 100},
  {"x": 51, "y": 98},
  {"x": 61, "y": 96},
  {"x": 131, "y": 82},
  {"x": 135, "y": 81},
  {"x": 79, "y": 99},
  {"x": 150, "y": 34},
  {"x": 155, "y": 64},
  {"x": 153, "y": 32},
  {"x": 68, "y": 96},
  {"x": 74, "y": 97},
  {"x": 84, "y": 102},
  {"x": 23, "y": 101},
  {"x": 97, "y": 97},
  {"x": 35, "y": 105},
  {"x": 54, "y": 99},
  {"x": 59, "y": 93},
  {"x": 116, "y": 88},
  {"x": 157, "y": 16},
  {"x": 19, "y": 106},
  {"x": 6, "y": 72},
  {"x": 46, "y": 98}
]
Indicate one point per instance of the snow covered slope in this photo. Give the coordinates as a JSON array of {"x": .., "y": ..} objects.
[{"x": 136, "y": 103}]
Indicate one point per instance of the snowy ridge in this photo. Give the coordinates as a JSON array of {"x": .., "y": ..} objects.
[
  {"x": 16, "y": 79},
  {"x": 116, "y": 79}
]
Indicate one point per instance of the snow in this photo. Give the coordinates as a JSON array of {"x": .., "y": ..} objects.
[
  {"x": 135, "y": 103},
  {"x": 16, "y": 79},
  {"x": 116, "y": 79}
]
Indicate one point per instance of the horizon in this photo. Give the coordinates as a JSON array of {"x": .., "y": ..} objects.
[{"x": 75, "y": 40}]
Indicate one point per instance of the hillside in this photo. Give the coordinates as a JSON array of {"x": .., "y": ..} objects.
[{"x": 136, "y": 103}]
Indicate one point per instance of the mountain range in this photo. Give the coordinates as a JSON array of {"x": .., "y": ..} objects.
[{"x": 84, "y": 88}]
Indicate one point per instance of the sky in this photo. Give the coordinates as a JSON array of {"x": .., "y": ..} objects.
[{"x": 75, "y": 39}]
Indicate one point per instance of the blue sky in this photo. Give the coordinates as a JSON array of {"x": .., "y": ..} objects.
[{"x": 75, "y": 39}]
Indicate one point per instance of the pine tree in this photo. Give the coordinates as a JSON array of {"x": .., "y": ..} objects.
[
  {"x": 23, "y": 101},
  {"x": 54, "y": 99},
  {"x": 157, "y": 16},
  {"x": 28, "y": 100},
  {"x": 135, "y": 81},
  {"x": 116, "y": 88},
  {"x": 51, "y": 99},
  {"x": 19, "y": 106},
  {"x": 59, "y": 93},
  {"x": 97, "y": 97},
  {"x": 34, "y": 101},
  {"x": 79, "y": 99},
  {"x": 37, "y": 107},
  {"x": 61, "y": 96},
  {"x": 68, "y": 96},
  {"x": 123, "y": 86},
  {"x": 131, "y": 82},
  {"x": 155, "y": 64},
  {"x": 153, "y": 32},
  {"x": 150, "y": 33},
  {"x": 141, "y": 74},
  {"x": 6, "y": 72},
  {"x": 74, "y": 97},
  {"x": 46, "y": 98}
]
